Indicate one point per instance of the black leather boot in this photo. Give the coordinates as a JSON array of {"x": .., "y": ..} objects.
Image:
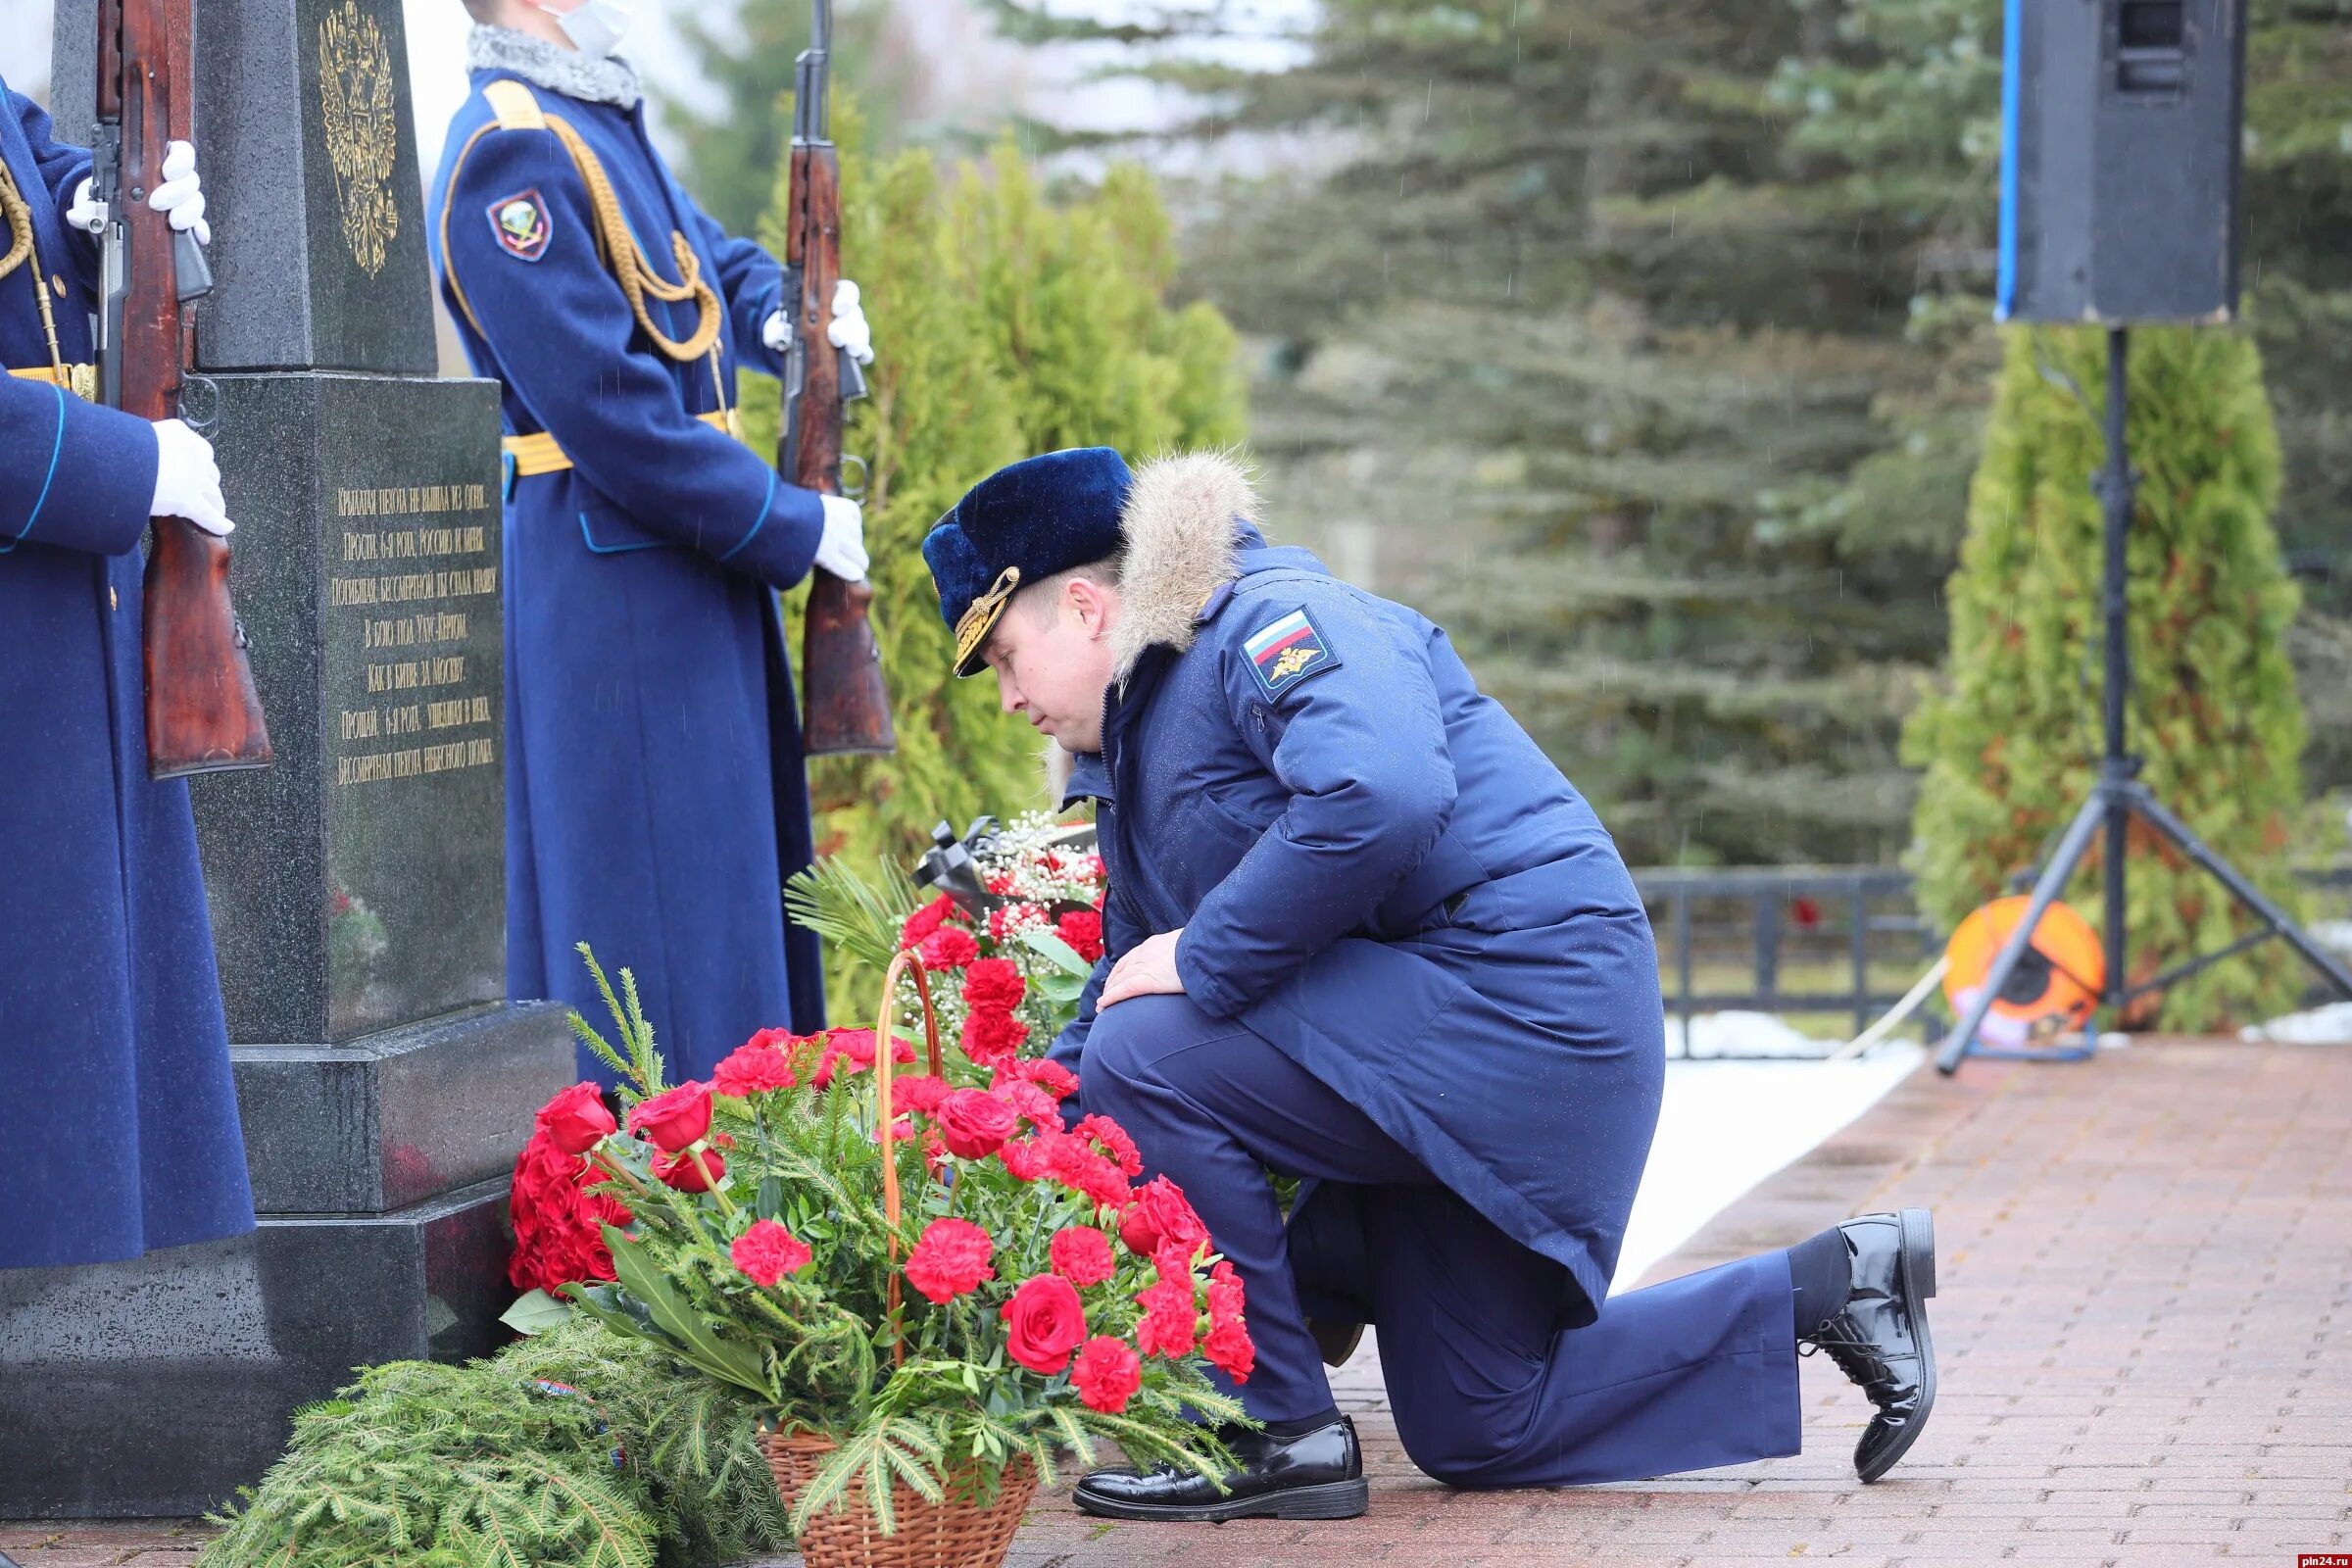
[
  {"x": 1880, "y": 1337},
  {"x": 1317, "y": 1475}
]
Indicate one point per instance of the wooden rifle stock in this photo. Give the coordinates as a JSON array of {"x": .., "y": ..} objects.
[
  {"x": 203, "y": 713},
  {"x": 845, "y": 707}
]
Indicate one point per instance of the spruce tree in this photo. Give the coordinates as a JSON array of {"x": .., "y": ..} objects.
[
  {"x": 2011, "y": 739},
  {"x": 1007, "y": 325}
]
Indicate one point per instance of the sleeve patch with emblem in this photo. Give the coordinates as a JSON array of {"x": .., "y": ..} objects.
[
  {"x": 1287, "y": 652},
  {"x": 523, "y": 225}
]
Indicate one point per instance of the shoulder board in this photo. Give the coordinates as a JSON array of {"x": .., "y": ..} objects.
[{"x": 517, "y": 108}]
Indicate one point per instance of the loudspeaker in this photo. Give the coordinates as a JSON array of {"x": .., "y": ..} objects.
[{"x": 2120, "y": 128}]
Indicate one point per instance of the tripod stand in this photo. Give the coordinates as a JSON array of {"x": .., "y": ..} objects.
[{"x": 2118, "y": 794}]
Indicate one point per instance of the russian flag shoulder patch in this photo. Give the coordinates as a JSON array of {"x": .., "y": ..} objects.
[{"x": 1288, "y": 651}]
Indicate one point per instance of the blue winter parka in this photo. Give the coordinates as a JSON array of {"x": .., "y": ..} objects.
[
  {"x": 1375, "y": 869},
  {"x": 656, "y": 796},
  {"x": 123, "y": 1133}
]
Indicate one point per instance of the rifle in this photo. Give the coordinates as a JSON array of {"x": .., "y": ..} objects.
[
  {"x": 203, "y": 716},
  {"x": 845, "y": 707}
]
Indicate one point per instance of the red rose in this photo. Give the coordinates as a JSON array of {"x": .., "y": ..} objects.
[
  {"x": 1230, "y": 1348},
  {"x": 1044, "y": 1323},
  {"x": 1172, "y": 1319},
  {"x": 925, "y": 920},
  {"x": 990, "y": 1038},
  {"x": 754, "y": 1067},
  {"x": 681, "y": 1172},
  {"x": 767, "y": 1251},
  {"x": 1115, "y": 1140},
  {"x": 917, "y": 1092},
  {"x": 1082, "y": 929},
  {"x": 948, "y": 947},
  {"x": 558, "y": 1224},
  {"x": 673, "y": 1119},
  {"x": 975, "y": 1123},
  {"x": 951, "y": 1257},
  {"x": 1160, "y": 1216},
  {"x": 1081, "y": 1255},
  {"x": 575, "y": 1120},
  {"x": 1106, "y": 1374},
  {"x": 993, "y": 984}
]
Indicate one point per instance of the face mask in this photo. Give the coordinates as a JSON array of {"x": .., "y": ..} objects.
[{"x": 595, "y": 28}]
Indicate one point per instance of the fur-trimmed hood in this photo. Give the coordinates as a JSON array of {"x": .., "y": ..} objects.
[
  {"x": 1180, "y": 535},
  {"x": 1179, "y": 530},
  {"x": 607, "y": 80}
]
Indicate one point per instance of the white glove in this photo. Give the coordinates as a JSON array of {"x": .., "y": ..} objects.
[
  {"x": 87, "y": 214},
  {"x": 179, "y": 196},
  {"x": 187, "y": 481},
  {"x": 842, "y": 550},
  {"x": 848, "y": 331}
]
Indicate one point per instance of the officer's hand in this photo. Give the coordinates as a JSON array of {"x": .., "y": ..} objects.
[
  {"x": 1148, "y": 969},
  {"x": 181, "y": 197},
  {"x": 848, "y": 331},
  {"x": 187, "y": 481},
  {"x": 88, "y": 213},
  {"x": 842, "y": 550}
]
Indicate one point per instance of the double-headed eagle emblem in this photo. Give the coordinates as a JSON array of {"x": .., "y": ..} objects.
[{"x": 360, "y": 111}]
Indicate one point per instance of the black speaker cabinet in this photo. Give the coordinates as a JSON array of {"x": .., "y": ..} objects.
[{"x": 2119, "y": 124}]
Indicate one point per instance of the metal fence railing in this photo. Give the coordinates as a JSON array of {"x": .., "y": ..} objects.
[{"x": 1833, "y": 947}]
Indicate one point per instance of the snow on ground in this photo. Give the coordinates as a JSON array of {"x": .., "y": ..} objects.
[
  {"x": 2330, "y": 1025},
  {"x": 1726, "y": 1125}
]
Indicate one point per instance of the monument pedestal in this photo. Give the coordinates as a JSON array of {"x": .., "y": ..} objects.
[{"x": 358, "y": 886}]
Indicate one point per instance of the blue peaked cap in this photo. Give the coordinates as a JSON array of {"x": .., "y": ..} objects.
[{"x": 1021, "y": 524}]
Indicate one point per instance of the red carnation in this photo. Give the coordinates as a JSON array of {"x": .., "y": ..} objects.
[
  {"x": 975, "y": 1123},
  {"x": 1226, "y": 1295},
  {"x": 681, "y": 1172},
  {"x": 558, "y": 1223},
  {"x": 1045, "y": 1072},
  {"x": 948, "y": 947},
  {"x": 754, "y": 1067},
  {"x": 1044, "y": 1323},
  {"x": 1106, "y": 1374},
  {"x": 951, "y": 1259},
  {"x": 925, "y": 920},
  {"x": 1230, "y": 1350},
  {"x": 1082, "y": 929},
  {"x": 1081, "y": 1255},
  {"x": 1006, "y": 920},
  {"x": 767, "y": 1251},
  {"x": 1030, "y": 1100},
  {"x": 576, "y": 1119},
  {"x": 1160, "y": 1216},
  {"x": 917, "y": 1092},
  {"x": 1028, "y": 1158},
  {"x": 1115, "y": 1140},
  {"x": 676, "y": 1118},
  {"x": 1172, "y": 1319},
  {"x": 990, "y": 1038},
  {"x": 1079, "y": 1167},
  {"x": 993, "y": 984},
  {"x": 857, "y": 1048}
]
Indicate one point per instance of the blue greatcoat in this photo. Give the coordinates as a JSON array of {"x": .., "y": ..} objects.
[
  {"x": 123, "y": 1133},
  {"x": 655, "y": 799},
  {"x": 1376, "y": 869}
]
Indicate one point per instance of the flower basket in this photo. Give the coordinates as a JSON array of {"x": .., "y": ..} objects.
[{"x": 959, "y": 1532}]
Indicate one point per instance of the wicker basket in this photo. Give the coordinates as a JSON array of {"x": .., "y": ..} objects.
[{"x": 957, "y": 1533}]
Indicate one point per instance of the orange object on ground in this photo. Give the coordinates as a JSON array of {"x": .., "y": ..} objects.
[{"x": 2054, "y": 989}]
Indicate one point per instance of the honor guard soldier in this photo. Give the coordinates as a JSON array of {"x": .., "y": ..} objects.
[
  {"x": 1362, "y": 932},
  {"x": 110, "y": 1005},
  {"x": 656, "y": 796}
]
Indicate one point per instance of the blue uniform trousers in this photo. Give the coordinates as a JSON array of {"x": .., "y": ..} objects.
[{"x": 1486, "y": 1388}]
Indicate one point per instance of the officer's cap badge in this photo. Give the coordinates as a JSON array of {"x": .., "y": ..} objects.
[
  {"x": 1286, "y": 653},
  {"x": 523, "y": 225}
]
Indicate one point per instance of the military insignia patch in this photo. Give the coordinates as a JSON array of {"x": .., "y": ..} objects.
[
  {"x": 1287, "y": 652},
  {"x": 523, "y": 225}
]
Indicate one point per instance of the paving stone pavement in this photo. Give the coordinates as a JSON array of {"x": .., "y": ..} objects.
[{"x": 2146, "y": 1277}]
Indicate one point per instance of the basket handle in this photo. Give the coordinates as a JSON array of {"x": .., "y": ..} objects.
[{"x": 885, "y": 1050}]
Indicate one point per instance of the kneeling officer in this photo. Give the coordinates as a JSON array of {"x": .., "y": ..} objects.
[{"x": 1362, "y": 931}]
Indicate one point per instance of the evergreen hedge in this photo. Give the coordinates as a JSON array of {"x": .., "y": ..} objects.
[{"x": 2011, "y": 739}]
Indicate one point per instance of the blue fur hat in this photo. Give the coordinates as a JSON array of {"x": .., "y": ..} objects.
[{"x": 1021, "y": 524}]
